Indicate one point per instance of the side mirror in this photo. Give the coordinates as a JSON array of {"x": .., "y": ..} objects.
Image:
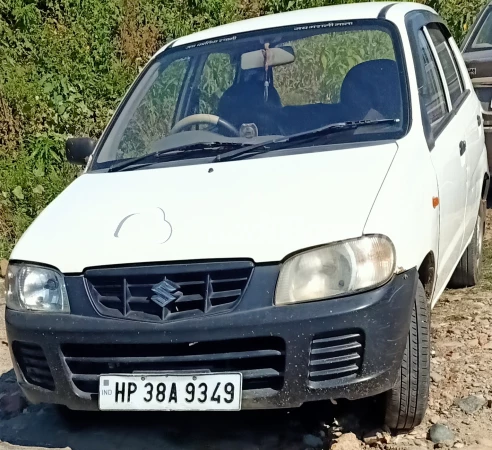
[{"x": 78, "y": 150}]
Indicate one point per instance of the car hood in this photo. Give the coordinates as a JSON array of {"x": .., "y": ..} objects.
[{"x": 262, "y": 209}]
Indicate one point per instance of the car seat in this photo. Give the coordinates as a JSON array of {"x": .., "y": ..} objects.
[
  {"x": 372, "y": 86},
  {"x": 244, "y": 102}
]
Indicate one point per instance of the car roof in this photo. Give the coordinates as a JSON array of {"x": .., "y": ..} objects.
[{"x": 333, "y": 13}]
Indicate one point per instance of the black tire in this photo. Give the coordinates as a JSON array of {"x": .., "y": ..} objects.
[
  {"x": 407, "y": 402},
  {"x": 468, "y": 270}
]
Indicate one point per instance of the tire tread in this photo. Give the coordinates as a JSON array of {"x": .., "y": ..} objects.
[{"x": 407, "y": 401}]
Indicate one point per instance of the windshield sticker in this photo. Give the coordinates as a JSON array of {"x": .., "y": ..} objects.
[
  {"x": 297, "y": 28},
  {"x": 324, "y": 25},
  {"x": 211, "y": 42}
]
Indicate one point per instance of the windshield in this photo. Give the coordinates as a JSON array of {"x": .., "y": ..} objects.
[
  {"x": 481, "y": 38},
  {"x": 250, "y": 88}
]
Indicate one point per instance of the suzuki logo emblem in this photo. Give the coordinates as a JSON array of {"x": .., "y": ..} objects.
[{"x": 166, "y": 292}]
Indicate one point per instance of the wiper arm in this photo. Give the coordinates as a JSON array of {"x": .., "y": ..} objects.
[
  {"x": 156, "y": 156},
  {"x": 299, "y": 137}
]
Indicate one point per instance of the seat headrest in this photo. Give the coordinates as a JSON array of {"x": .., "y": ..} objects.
[{"x": 373, "y": 85}]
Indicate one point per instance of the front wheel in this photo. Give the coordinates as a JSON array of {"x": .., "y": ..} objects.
[{"x": 407, "y": 402}]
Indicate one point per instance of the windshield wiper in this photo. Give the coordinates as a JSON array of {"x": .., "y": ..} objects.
[
  {"x": 300, "y": 137},
  {"x": 150, "y": 158}
]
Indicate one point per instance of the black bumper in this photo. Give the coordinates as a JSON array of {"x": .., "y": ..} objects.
[{"x": 349, "y": 347}]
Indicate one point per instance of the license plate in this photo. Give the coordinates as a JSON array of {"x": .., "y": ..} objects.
[{"x": 171, "y": 392}]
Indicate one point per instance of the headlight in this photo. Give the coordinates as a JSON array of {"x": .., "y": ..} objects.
[
  {"x": 35, "y": 288},
  {"x": 336, "y": 269}
]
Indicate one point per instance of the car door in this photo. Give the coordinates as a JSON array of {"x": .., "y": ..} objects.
[
  {"x": 447, "y": 157},
  {"x": 467, "y": 113}
]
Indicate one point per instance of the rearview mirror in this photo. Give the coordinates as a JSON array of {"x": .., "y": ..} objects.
[
  {"x": 279, "y": 56},
  {"x": 78, "y": 150}
]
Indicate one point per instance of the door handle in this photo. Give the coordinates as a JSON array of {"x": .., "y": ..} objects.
[
  {"x": 462, "y": 147},
  {"x": 479, "y": 120}
]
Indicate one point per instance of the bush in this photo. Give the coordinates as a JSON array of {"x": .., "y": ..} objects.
[
  {"x": 67, "y": 63},
  {"x": 27, "y": 187}
]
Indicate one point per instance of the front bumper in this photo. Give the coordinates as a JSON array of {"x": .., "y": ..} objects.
[{"x": 348, "y": 347}]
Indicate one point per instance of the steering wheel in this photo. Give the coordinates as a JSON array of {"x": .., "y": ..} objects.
[{"x": 210, "y": 119}]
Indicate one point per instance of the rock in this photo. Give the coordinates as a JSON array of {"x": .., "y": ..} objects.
[
  {"x": 310, "y": 440},
  {"x": 376, "y": 436},
  {"x": 483, "y": 339},
  {"x": 485, "y": 442},
  {"x": 472, "y": 343},
  {"x": 346, "y": 441},
  {"x": 3, "y": 267},
  {"x": 470, "y": 404},
  {"x": 488, "y": 346},
  {"x": 439, "y": 433},
  {"x": 433, "y": 419},
  {"x": 459, "y": 445},
  {"x": 371, "y": 437},
  {"x": 12, "y": 404},
  {"x": 435, "y": 377}
]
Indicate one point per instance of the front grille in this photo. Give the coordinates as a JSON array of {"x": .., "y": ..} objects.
[
  {"x": 334, "y": 357},
  {"x": 32, "y": 362},
  {"x": 185, "y": 290},
  {"x": 261, "y": 361}
]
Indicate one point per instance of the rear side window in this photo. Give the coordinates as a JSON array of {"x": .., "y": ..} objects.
[
  {"x": 448, "y": 63},
  {"x": 432, "y": 90},
  {"x": 483, "y": 37}
]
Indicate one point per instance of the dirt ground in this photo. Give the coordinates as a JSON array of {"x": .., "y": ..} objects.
[{"x": 460, "y": 407}]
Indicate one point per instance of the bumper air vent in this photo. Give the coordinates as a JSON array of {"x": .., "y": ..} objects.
[
  {"x": 32, "y": 362},
  {"x": 335, "y": 357}
]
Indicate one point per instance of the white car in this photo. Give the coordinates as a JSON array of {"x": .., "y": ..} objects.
[{"x": 267, "y": 220}]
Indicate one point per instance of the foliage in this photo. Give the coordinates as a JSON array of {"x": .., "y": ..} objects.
[
  {"x": 67, "y": 63},
  {"x": 459, "y": 14},
  {"x": 27, "y": 186},
  {"x": 322, "y": 62},
  {"x": 155, "y": 112}
]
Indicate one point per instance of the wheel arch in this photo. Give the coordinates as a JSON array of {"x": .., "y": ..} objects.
[
  {"x": 427, "y": 274},
  {"x": 485, "y": 186}
]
